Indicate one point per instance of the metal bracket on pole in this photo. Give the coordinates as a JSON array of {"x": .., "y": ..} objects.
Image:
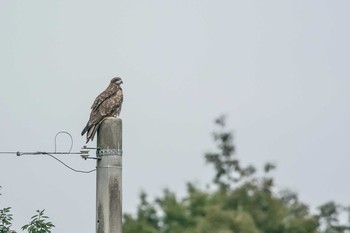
[{"x": 107, "y": 152}]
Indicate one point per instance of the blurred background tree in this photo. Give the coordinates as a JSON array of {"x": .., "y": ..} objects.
[{"x": 241, "y": 202}]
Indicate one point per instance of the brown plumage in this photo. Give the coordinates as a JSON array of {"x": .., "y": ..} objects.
[{"x": 107, "y": 104}]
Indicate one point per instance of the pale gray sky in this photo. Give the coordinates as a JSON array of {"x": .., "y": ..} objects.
[{"x": 278, "y": 69}]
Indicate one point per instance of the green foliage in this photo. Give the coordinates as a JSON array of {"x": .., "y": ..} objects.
[
  {"x": 39, "y": 223},
  {"x": 146, "y": 221},
  {"x": 329, "y": 218},
  {"x": 5, "y": 220},
  {"x": 242, "y": 203}
]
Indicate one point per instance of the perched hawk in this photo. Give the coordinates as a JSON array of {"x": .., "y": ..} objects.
[{"x": 107, "y": 104}]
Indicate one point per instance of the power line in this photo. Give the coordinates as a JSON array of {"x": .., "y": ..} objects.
[
  {"x": 69, "y": 166},
  {"x": 84, "y": 153}
]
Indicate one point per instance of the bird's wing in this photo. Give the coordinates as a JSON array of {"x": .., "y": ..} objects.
[
  {"x": 103, "y": 96},
  {"x": 108, "y": 106},
  {"x": 105, "y": 108},
  {"x": 119, "y": 97}
]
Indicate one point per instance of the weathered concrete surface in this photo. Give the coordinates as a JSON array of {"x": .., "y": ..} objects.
[{"x": 109, "y": 177}]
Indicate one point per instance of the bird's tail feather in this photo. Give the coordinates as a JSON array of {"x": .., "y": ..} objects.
[
  {"x": 91, "y": 133},
  {"x": 87, "y": 128}
]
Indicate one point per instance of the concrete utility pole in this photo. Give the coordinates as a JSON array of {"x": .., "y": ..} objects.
[{"x": 109, "y": 177}]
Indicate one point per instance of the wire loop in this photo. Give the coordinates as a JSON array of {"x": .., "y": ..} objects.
[
  {"x": 84, "y": 152},
  {"x": 71, "y": 140}
]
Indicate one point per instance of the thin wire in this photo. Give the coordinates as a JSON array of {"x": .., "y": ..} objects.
[
  {"x": 51, "y": 153},
  {"x": 39, "y": 153},
  {"x": 75, "y": 170}
]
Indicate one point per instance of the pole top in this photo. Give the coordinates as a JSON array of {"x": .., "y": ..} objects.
[{"x": 109, "y": 134}]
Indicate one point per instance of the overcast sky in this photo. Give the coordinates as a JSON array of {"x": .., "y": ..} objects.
[{"x": 279, "y": 70}]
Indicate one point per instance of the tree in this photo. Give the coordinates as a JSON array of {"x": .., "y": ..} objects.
[
  {"x": 38, "y": 224},
  {"x": 228, "y": 169},
  {"x": 329, "y": 218},
  {"x": 243, "y": 202},
  {"x": 146, "y": 221},
  {"x": 5, "y": 220}
]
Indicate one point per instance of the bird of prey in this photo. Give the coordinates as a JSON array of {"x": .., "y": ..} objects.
[{"x": 107, "y": 104}]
